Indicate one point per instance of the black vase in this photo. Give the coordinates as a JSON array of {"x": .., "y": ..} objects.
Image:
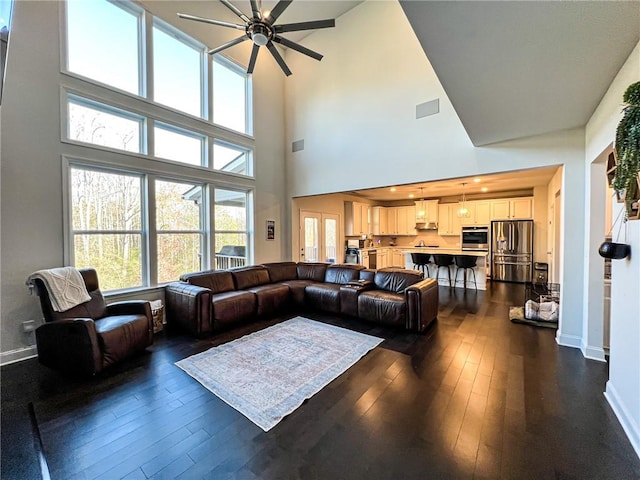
[{"x": 614, "y": 250}]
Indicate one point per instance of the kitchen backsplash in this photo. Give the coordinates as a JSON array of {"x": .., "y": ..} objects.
[{"x": 429, "y": 238}]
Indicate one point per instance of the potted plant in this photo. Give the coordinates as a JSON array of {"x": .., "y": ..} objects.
[{"x": 627, "y": 147}]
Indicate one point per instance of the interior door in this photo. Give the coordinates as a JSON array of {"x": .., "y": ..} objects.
[
  {"x": 319, "y": 237},
  {"x": 557, "y": 237}
]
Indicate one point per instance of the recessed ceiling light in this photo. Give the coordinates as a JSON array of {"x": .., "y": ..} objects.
[
  {"x": 484, "y": 189},
  {"x": 392, "y": 189},
  {"x": 411, "y": 195},
  {"x": 476, "y": 180}
]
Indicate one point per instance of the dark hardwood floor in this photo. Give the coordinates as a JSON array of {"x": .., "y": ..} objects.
[{"x": 475, "y": 397}]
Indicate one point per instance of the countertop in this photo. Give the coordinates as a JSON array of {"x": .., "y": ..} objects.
[{"x": 430, "y": 250}]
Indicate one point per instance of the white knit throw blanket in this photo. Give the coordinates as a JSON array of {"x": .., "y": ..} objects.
[{"x": 65, "y": 286}]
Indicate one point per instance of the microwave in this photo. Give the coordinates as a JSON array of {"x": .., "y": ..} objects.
[{"x": 475, "y": 238}]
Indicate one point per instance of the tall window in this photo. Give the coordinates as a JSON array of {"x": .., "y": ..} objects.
[
  {"x": 107, "y": 226},
  {"x": 99, "y": 124},
  {"x": 232, "y": 158},
  {"x": 179, "y": 229},
  {"x": 180, "y": 145},
  {"x": 177, "y": 71},
  {"x": 104, "y": 42},
  {"x": 231, "y": 235},
  {"x": 231, "y": 99}
]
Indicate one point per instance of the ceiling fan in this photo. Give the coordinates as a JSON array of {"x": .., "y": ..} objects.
[{"x": 262, "y": 31}]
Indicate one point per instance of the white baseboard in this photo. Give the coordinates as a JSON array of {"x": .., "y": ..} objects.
[
  {"x": 593, "y": 353},
  {"x": 572, "y": 341},
  {"x": 628, "y": 424},
  {"x": 18, "y": 355}
]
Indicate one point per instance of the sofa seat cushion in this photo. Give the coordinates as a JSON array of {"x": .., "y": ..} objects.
[
  {"x": 270, "y": 298},
  {"x": 229, "y": 308},
  {"x": 120, "y": 335},
  {"x": 297, "y": 289},
  {"x": 323, "y": 296},
  {"x": 383, "y": 307}
]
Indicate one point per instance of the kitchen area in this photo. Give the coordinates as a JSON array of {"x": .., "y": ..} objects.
[{"x": 493, "y": 238}]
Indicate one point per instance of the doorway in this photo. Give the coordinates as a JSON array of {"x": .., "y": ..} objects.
[{"x": 319, "y": 233}]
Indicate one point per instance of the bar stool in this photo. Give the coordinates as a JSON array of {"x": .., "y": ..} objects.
[
  {"x": 443, "y": 260},
  {"x": 466, "y": 262},
  {"x": 421, "y": 262}
]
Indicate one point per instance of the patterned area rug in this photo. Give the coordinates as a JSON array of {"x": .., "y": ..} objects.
[{"x": 268, "y": 374}]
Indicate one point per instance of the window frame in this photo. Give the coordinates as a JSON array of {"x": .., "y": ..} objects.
[
  {"x": 182, "y": 37},
  {"x": 204, "y": 146},
  {"x": 231, "y": 145},
  {"x": 248, "y": 206},
  {"x": 129, "y": 7},
  {"x": 70, "y": 232},
  {"x": 248, "y": 92},
  {"x": 109, "y": 109},
  {"x": 154, "y": 232}
]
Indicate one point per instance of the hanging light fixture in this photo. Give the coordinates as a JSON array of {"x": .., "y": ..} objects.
[
  {"x": 463, "y": 211},
  {"x": 421, "y": 213}
]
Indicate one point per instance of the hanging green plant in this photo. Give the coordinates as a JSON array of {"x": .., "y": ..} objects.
[{"x": 628, "y": 146}]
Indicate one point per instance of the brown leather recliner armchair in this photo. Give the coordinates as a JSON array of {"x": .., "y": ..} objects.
[{"x": 91, "y": 336}]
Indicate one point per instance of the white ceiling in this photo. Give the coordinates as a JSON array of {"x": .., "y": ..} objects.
[
  {"x": 494, "y": 184},
  {"x": 515, "y": 69}
]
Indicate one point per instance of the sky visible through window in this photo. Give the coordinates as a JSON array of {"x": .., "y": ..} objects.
[{"x": 103, "y": 43}]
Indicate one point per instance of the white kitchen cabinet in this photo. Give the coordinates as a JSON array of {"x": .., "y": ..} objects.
[
  {"x": 397, "y": 258},
  {"x": 448, "y": 220},
  {"x": 356, "y": 218},
  {"x": 512, "y": 208},
  {"x": 382, "y": 259},
  {"x": 401, "y": 220},
  {"x": 364, "y": 258},
  {"x": 479, "y": 213},
  {"x": 426, "y": 211},
  {"x": 380, "y": 221}
]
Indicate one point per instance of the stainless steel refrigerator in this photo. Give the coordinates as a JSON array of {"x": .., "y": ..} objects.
[{"x": 512, "y": 250}]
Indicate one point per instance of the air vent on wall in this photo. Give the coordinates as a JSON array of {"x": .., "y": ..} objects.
[
  {"x": 428, "y": 108},
  {"x": 297, "y": 146}
]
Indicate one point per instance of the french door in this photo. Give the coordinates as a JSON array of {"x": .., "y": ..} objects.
[{"x": 319, "y": 233}]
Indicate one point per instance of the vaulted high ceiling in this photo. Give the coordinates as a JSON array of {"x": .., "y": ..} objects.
[{"x": 516, "y": 69}]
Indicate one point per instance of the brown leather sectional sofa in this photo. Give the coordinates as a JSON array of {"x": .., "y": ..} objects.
[{"x": 209, "y": 301}]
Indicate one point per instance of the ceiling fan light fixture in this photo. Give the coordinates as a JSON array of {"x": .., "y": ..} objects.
[{"x": 260, "y": 39}]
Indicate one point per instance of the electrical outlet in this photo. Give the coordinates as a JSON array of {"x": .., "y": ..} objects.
[{"x": 29, "y": 326}]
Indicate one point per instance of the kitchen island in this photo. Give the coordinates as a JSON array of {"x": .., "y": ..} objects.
[{"x": 480, "y": 268}]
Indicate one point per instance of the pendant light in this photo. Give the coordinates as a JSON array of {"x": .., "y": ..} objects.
[
  {"x": 421, "y": 212},
  {"x": 463, "y": 211}
]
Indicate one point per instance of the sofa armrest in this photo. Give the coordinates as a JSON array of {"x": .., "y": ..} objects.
[
  {"x": 361, "y": 284},
  {"x": 70, "y": 345},
  {"x": 422, "y": 304},
  {"x": 130, "y": 307},
  {"x": 189, "y": 306}
]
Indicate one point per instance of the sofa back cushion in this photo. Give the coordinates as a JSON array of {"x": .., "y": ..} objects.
[
  {"x": 311, "y": 271},
  {"x": 342, "y": 273},
  {"x": 281, "y": 271},
  {"x": 396, "y": 280},
  {"x": 247, "y": 277},
  {"x": 367, "y": 274},
  {"x": 218, "y": 281}
]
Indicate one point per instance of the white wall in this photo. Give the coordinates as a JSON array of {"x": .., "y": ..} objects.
[
  {"x": 623, "y": 387},
  {"x": 355, "y": 111},
  {"x": 31, "y": 194}
]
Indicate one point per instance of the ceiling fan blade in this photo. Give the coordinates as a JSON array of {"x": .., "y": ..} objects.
[
  {"x": 254, "y": 57},
  {"x": 255, "y": 9},
  {"x": 277, "y": 10},
  {"x": 274, "y": 51},
  {"x": 235, "y": 10},
  {"x": 233, "y": 42},
  {"x": 295, "y": 27},
  {"x": 211, "y": 21},
  {"x": 296, "y": 46}
]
